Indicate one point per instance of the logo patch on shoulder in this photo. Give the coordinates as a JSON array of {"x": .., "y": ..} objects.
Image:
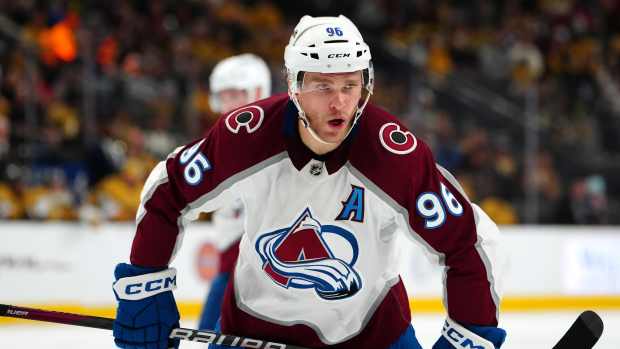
[
  {"x": 397, "y": 141},
  {"x": 250, "y": 118}
]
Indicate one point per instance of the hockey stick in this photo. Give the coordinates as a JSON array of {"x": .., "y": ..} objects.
[
  {"x": 103, "y": 323},
  {"x": 583, "y": 333}
]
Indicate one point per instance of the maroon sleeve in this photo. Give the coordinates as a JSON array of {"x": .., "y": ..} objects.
[
  {"x": 444, "y": 218},
  {"x": 437, "y": 213},
  {"x": 198, "y": 176},
  {"x": 171, "y": 186}
]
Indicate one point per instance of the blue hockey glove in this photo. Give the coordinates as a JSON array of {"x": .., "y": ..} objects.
[
  {"x": 454, "y": 335},
  {"x": 147, "y": 311}
]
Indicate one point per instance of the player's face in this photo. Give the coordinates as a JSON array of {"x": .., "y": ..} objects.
[
  {"x": 232, "y": 99},
  {"x": 330, "y": 102}
]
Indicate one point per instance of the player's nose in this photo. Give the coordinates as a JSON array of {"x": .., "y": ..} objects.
[{"x": 338, "y": 101}]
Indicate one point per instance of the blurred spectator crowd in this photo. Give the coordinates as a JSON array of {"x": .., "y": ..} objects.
[{"x": 519, "y": 99}]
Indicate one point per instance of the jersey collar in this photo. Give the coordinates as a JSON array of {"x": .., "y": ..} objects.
[{"x": 300, "y": 154}]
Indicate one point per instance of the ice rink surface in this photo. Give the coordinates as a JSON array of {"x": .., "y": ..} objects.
[{"x": 525, "y": 330}]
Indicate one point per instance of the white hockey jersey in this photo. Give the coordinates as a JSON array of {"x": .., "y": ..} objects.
[
  {"x": 317, "y": 264},
  {"x": 228, "y": 223}
]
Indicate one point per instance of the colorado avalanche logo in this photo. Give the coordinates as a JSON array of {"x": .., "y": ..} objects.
[
  {"x": 396, "y": 140},
  {"x": 300, "y": 257},
  {"x": 250, "y": 118}
]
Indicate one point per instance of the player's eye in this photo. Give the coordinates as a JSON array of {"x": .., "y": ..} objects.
[
  {"x": 323, "y": 88},
  {"x": 350, "y": 87}
]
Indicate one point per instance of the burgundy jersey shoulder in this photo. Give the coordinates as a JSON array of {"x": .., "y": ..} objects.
[
  {"x": 259, "y": 117},
  {"x": 240, "y": 140},
  {"x": 388, "y": 154},
  {"x": 251, "y": 133}
]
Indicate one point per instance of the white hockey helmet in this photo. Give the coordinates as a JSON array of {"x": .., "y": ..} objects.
[
  {"x": 327, "y": 45},
  {"x": 246, "y": 72}
]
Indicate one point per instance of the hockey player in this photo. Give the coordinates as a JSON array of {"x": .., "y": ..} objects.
[
  {"x": 234, "y": 82},
  {"x": 326, "y": 181}
]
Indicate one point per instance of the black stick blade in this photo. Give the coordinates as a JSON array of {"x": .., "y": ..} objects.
[{"x": 583, "y": 333}]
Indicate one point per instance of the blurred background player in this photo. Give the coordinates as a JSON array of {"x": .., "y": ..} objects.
[{"x": 234, "y": 82}]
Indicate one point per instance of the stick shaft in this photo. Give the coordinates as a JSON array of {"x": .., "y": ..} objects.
[
  {"x": 56, "y": 317},
  {"x": 577, "y": 332},
  {"x": 107, "y": 324}
]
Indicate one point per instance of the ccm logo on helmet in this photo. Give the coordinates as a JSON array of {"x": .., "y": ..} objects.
[
  {"x": 338, "y": 55},
  {"x": 396, "y": 140},
  {"x": 249, "y": 118}
]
